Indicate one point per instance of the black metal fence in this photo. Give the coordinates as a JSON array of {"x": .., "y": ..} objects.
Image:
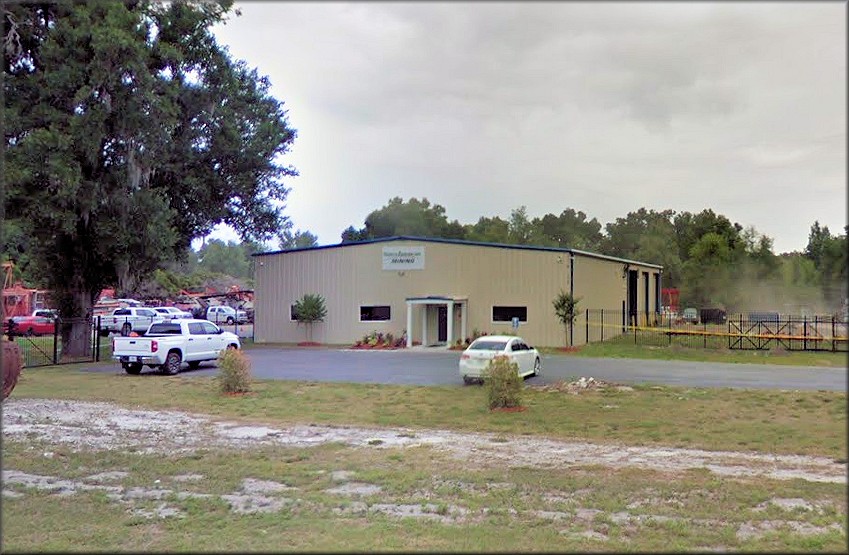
[
  {"x": 739, "y": 331},
  {"x": 68, "y": 341}
]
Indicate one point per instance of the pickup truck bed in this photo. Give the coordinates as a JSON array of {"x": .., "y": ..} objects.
[{"x": 167, "y": 345}]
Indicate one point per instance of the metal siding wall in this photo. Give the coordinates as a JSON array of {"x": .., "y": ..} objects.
[
  {"x": 351, "y": 276},
  {"x": 599, "y": 283}
]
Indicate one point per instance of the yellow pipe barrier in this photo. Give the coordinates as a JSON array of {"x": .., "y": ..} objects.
[{"x": 699, "y": 333}]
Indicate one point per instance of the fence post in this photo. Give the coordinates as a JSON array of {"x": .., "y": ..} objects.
[
  {"x": 97, "y": 340},
  {"x": 805, "y": 332},
  {"x": 729, "y": 332},
  {"x": 704, "y": 335},
  {"x": 56, "y": 341},
  {"x": 817, "y": 344},
  {"x": 587, "y": 327},
  {"x": 602, "y": 326},
  {"x": 624, "y": 329},
  {"x": 833, "y": 342}
]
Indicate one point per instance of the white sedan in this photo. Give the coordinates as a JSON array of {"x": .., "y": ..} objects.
[
  {"x": 172, "y": 312},
  {"x": 476, "y": 357}
]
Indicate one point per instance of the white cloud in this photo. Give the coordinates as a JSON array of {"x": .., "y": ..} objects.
[{"x": 601, "y": 107}]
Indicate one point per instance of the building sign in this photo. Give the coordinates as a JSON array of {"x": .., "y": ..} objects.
[{"x": 403, "y": 258}]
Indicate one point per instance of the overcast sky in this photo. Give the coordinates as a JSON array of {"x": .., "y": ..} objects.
[{"x": 599, "y": 107}]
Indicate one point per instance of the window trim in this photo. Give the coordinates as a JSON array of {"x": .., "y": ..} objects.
[
  {"x": 510, "y": 321},
  {"x": 360, "y": 313}
]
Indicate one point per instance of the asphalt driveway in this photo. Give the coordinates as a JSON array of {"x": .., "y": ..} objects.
[{"x": 439, "y": 367}]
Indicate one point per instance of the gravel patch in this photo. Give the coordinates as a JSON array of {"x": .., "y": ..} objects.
[
  {"x": 112, "y": 476},
  {"x": 749, "y": 530},
  {"x": 103, "y": 426},
  {"x": 187, "y": 477},
  {"x": 787, "y": 504},
  {"x": 355, "y": 488}
]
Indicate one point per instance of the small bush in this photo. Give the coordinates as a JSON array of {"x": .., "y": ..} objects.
[
  {"x": 234, "y": 371},
  {"x": 504, "y": 386}
]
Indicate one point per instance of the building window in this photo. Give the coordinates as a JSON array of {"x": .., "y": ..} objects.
[
  {"x": 374, "y": 313},
  {"x": 292, "y": 313},
  {"x": 507, "y": 313}
]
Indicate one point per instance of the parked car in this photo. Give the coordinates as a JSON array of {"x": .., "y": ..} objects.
[
  {"x": 30, "y": 325},
  {"x": 46, "y": 313},
  {"x": 223, "y": 314},
  {"x": 167, "y": 345},
  {"x": 172, "y": 312},
  {"x": 713, "y": 316},
  {"x": 690, "y": 316},
  {"x": 475, "y": 359},
  {"x": 128, "y": 320}
]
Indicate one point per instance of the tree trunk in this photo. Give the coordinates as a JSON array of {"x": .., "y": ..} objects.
[
  {"x": 126, "y": 280},
  {"x": 75, "y": 333}
]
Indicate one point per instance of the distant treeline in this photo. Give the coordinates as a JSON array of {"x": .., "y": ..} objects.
[{"x": 713, "y": 261}]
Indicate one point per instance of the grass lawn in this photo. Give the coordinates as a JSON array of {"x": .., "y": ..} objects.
[
  {"x": 624, "y": 348},
  {"x": 812, "y": 423},
  {"x": 485, "y": 508}
]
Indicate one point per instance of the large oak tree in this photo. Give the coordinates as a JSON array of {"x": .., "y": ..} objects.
[{"x": 129, "y": 131}]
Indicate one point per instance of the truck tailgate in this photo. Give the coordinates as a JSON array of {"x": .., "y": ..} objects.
[{"x": 133, "y": 346}]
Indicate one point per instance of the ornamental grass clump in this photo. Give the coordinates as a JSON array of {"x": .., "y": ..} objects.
[
  {"x": 503, "y": 383},
  {"x": 234, "y": 371}
]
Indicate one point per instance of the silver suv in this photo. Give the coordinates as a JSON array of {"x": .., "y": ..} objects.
[{"x": 223, "y": 314}]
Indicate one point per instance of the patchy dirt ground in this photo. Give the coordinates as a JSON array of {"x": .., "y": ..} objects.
[
  {"x": 107, "y": 426},
  {"x": 78, "y": 425}
]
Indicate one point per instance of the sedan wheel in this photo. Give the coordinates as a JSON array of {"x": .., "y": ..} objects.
[
  {"x": 537, "y": 367},
  {"x": 230, "y": 320}
]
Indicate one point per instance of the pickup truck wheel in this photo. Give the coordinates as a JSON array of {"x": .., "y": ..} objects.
[
  {"x": 133, "y": 368},
  {"x": 172, "y": 363},
  {"x": 126, "y": 329},
  {"x": 194, "y": 364}
]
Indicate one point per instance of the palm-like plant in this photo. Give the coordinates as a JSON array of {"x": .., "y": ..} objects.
[
  {"x": 566, "y": 309},
  {"x": 310, "y": 309}
]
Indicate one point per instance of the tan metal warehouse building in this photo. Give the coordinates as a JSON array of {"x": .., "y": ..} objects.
[{"x": 412, "y": 284}]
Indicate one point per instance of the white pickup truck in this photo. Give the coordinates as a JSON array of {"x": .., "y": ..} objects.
[
  {"x": 128, "y": 320},
  {"x": 167, "y": 345}
]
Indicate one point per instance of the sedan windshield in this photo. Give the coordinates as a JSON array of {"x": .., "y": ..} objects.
[{"x": 488, "y": 345}]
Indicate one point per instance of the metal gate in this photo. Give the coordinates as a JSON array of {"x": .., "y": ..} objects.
[
  {"x": 789, "y": 333},
  {"x": 72, "y": 340}
]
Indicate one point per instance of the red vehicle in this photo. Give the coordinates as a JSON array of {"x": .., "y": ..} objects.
[{"x": 29, "y": 325}]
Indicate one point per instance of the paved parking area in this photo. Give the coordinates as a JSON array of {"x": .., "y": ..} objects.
[{"x": 440, "y": 367}]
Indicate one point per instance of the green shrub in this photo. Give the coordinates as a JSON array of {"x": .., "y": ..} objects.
[
  {"x": 234, "y": 371},
  {"x": 504, "y": 386}
]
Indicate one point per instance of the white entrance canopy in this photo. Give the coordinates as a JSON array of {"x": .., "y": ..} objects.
[{"x": 436, "y": 300}]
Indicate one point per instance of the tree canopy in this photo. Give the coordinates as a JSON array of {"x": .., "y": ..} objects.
[
  {"x": 399, "y": 217},
  {"x": 712, "y": 260},
  {"x": 129, "y": 132}
]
